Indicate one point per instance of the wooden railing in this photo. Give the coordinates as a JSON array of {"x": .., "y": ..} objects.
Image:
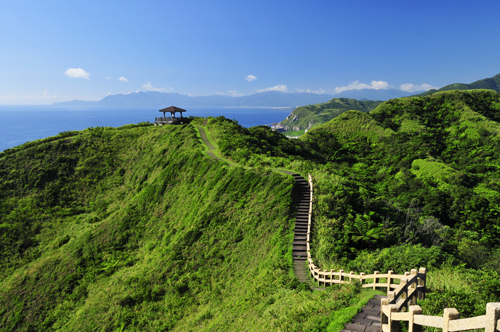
[
  {"x": 450, "y": 321},
  {"x": 167, "y": 118},
  {"x": 400, "y": 304}
]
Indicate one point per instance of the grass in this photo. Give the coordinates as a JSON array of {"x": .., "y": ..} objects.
[{"x": 136, "y": 229}]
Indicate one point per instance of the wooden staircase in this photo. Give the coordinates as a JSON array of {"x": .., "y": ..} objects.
[{"x": 300, "y": 233}]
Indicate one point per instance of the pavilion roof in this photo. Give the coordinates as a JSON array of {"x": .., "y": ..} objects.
[{"x": 173, "y": 109}]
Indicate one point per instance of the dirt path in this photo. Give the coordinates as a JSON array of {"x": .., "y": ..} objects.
[{"x": 209, "y": 145}]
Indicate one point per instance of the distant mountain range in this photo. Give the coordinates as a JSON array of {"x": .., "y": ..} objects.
[
  {"x": 263, "y": 99},
  {"x": 161, "y": 99},
  {"x": 266, "y": 99},
  {"x": 492, "y": 83}
]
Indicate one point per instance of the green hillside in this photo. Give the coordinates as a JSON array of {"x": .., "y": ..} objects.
[
  {"x": 492, "y": 83},
  {"x": 414, "y": 182},
  {"x": 135, "y": 228},
  {"x": 138, "y": 228},
  {"x": 310, "y": 116}
]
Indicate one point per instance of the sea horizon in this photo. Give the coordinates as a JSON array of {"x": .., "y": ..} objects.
[{"x": 24, "y": 123}]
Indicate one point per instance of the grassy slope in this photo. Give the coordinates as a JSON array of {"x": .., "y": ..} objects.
[
  {"x": 312, "y": 116},
  {"x": 413, "y": 183},
  {"x": 136, "y": 229}
]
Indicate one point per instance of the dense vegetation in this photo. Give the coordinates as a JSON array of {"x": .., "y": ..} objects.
[
  {"x": 306, "y": 117},
  {"x": 135, "y": 228},
  {"x": 413, "y": 183}
]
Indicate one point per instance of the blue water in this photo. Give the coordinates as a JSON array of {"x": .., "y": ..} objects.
[{"x": 20, "y": 124}]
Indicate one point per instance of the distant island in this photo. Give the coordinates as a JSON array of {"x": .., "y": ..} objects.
[{"x": 262, "y": 99}]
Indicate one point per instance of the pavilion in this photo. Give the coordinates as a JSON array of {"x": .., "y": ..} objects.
[{"x": 172, "y": 119}]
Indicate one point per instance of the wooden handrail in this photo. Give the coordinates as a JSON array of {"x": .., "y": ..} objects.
[
  {"x": 402, "y": 296},
  {"x": 450, "y": 322}
]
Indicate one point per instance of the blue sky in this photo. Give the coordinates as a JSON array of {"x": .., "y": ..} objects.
[{"x": 55, "y": 51}]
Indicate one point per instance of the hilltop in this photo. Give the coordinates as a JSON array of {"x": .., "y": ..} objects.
[
  {"x": 306, "y": 117},
  {"x": 137, "y": 228},
  {"x": 492, "y": 83}
]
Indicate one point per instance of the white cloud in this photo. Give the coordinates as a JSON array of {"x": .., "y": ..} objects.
[
  {"x": 280, "y": 87},
  {"x": 408, "y": 87},
  {"x": 123, "y": 79},
  {"x": 377, "y": 85},
  {"x": 109, "y": 77},
  {"x": 250, "y": 78},
  {"x": 77, "y": 73},
  {"x": 319, "y": 91},
  {"x": 149, "y": 87}
]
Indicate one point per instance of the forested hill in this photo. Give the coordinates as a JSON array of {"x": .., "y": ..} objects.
[
  {"x": 415, "y": 182},
  {"x": 310, "y": 116},
  {"x": 492, "y": 83},
  {"x": 136, "y": 228}
]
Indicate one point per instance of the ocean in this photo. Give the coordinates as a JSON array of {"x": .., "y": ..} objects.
[{"x": 21, "y": 124}]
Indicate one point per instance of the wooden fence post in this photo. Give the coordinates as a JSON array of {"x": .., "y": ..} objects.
[
  {"x": 384, "y": 319},
  {"x": 492, "y": 317},
  {"x": 414, "y": 310},
  {"x": 375, "y": 279},
  {"x": 351, "y": 274},
  {"x": 404, "y": 295},
  {"x": 422, "y": 282},
  {"x": 341, "y": 278},
  {"x": 393, "y": 325},
  {"x": 449, "y": 314},
  {"x": 413, "y": 287},
  {"x": 389, "y": 280},
  {"x": 390, "y": 296}
]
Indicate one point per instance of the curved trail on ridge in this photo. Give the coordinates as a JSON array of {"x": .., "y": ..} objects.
[
  {"x": 368, "y": 320},
  {"x": 209, "y": 145}
]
